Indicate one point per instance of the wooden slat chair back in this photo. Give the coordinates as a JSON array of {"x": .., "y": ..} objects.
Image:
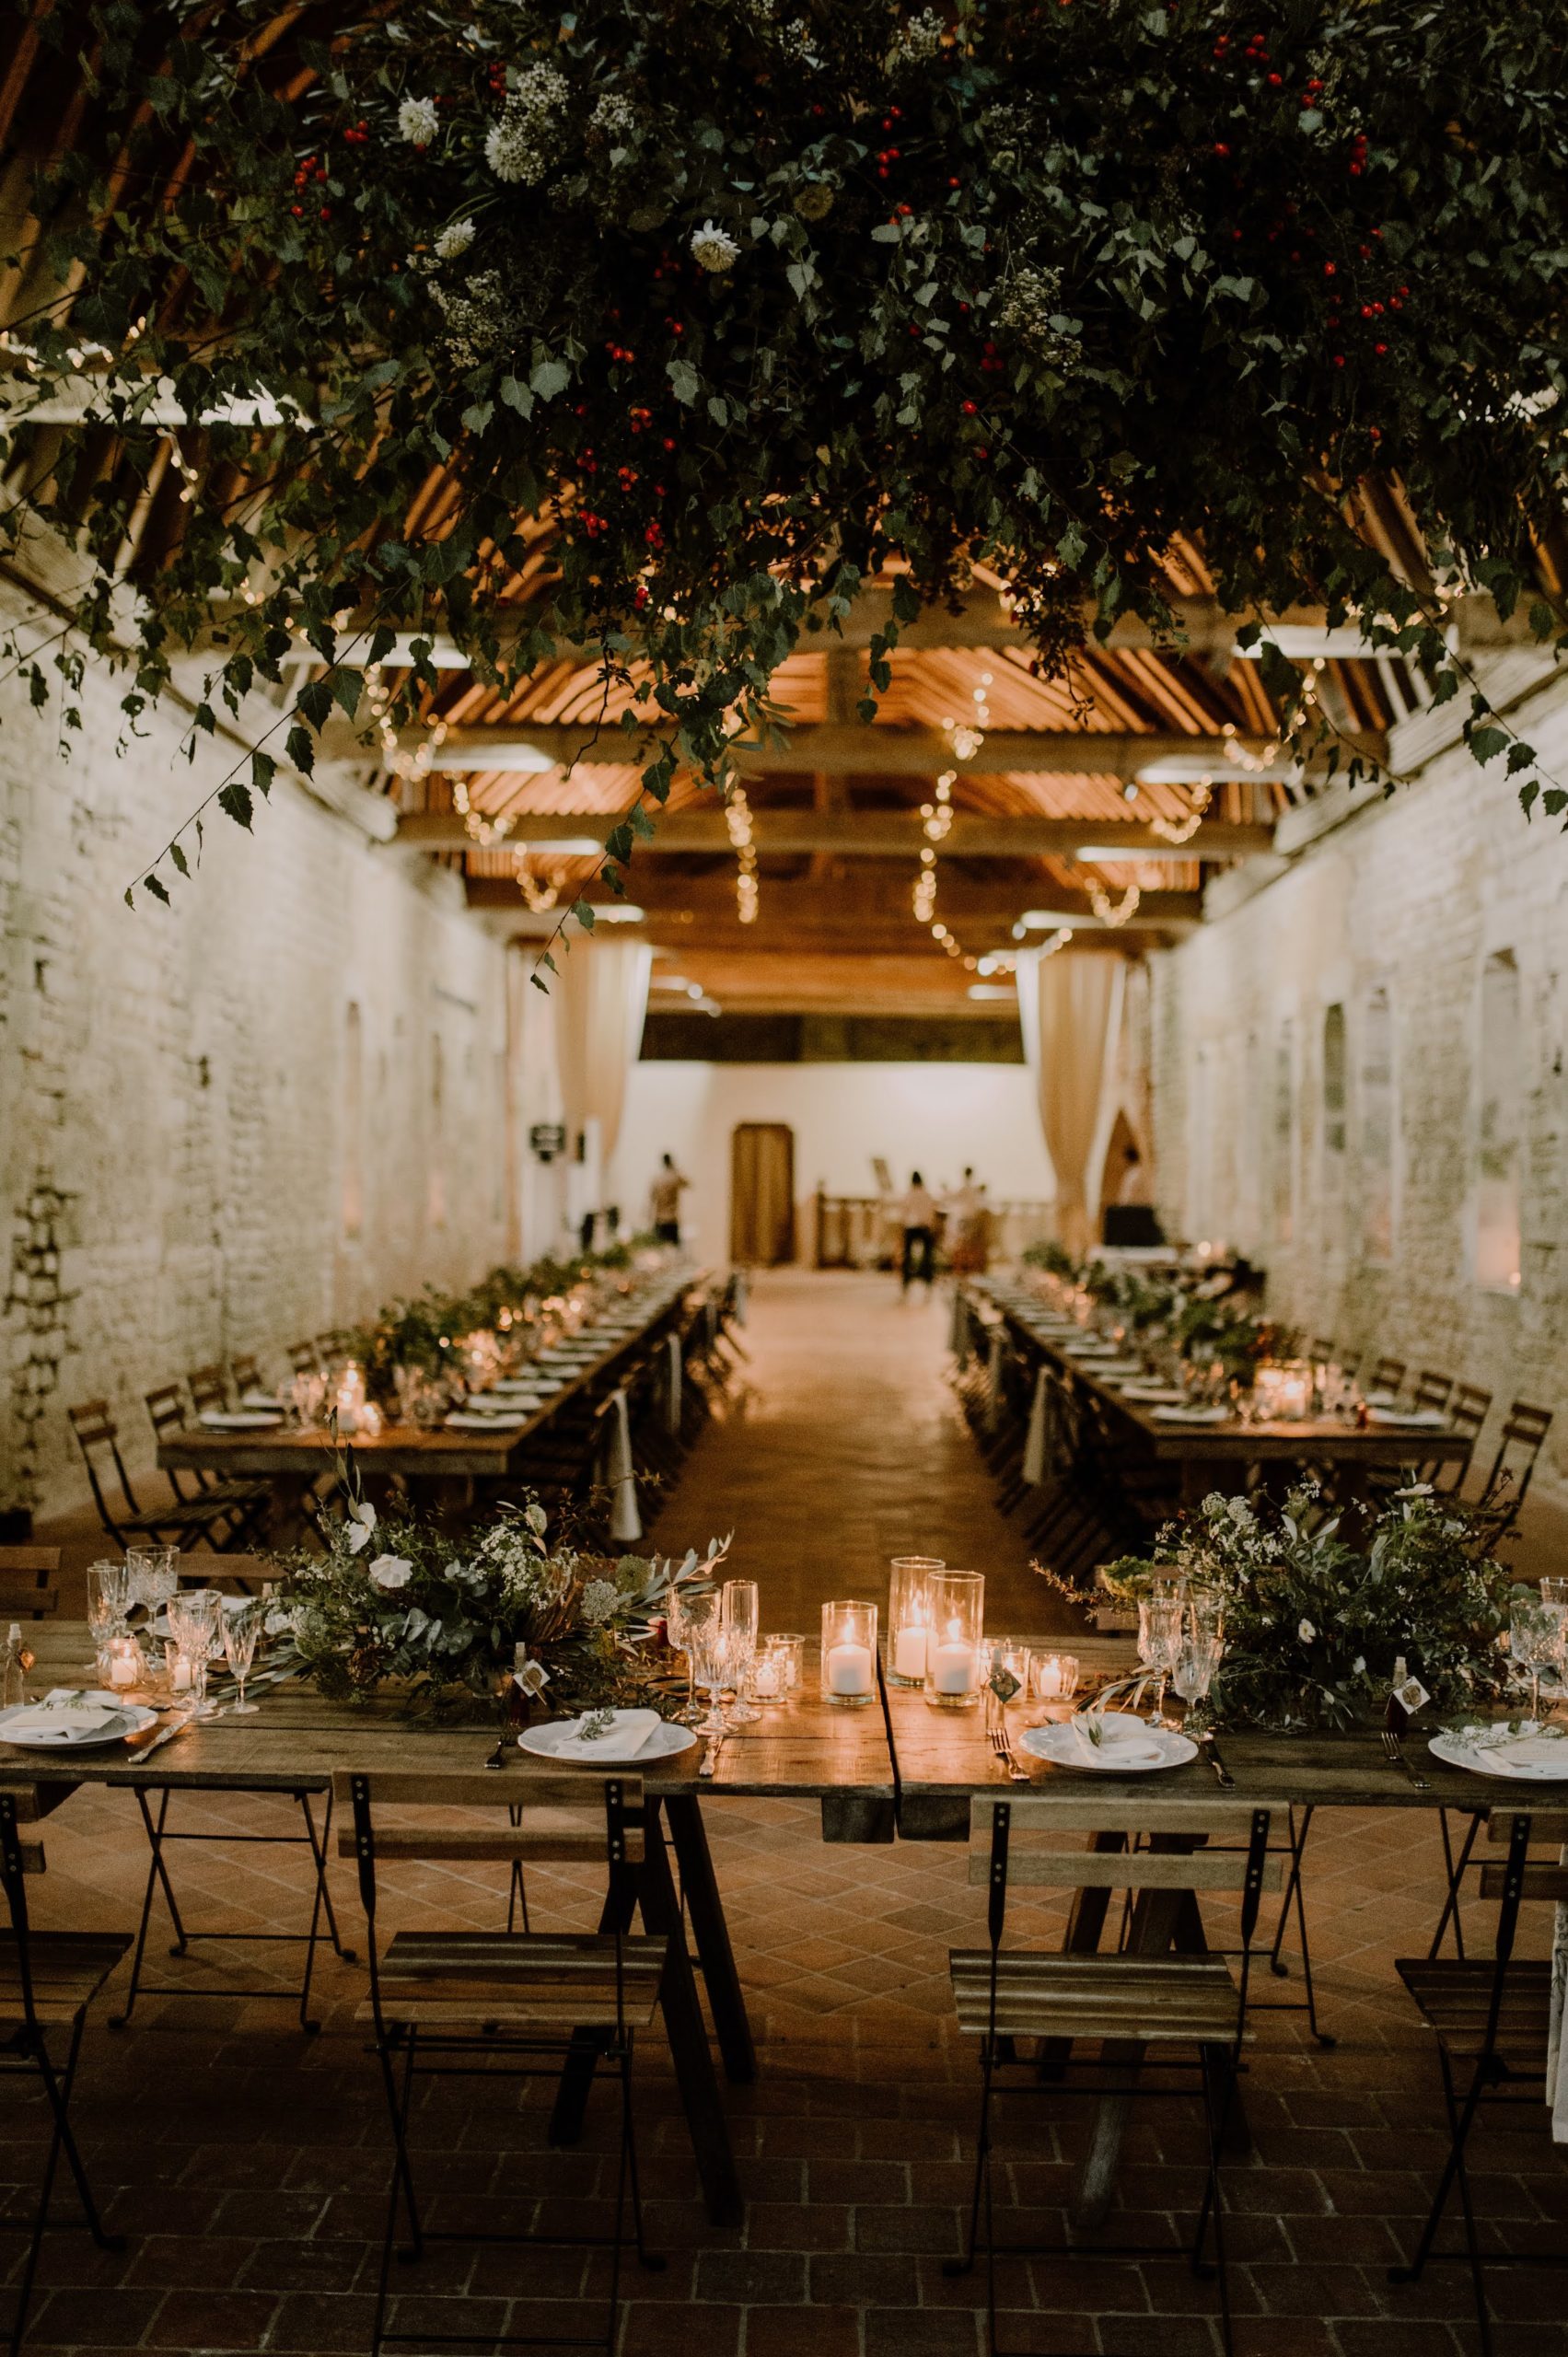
[
  {"x": 1432, "y": 1390},
  {"x": 236, "y": 1508},
  {"x": 246, "y": 1369},
  {"x": 98, "y": 1438},
  {"x": 524, "y": 1981},
  {"x": 1127, "y": 2000},
  {"x": 47, "y": 1981},
  {"x": 209, "y": 1388},
  {"x": 303, "y": 1358},
  {"x": 1519, "y": 1445},
  {"x": 1385, "y": 1375},
  {"x": 1491, "y": 2017},
  {"x": 166, "y": 1413},
  {"x": 29, "y": 1579},
  {"x": 1324, "y": 1350},
  {"x": 1467, "y": 1410}
]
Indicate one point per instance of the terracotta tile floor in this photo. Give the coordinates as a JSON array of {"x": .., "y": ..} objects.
[{"x": 247, "y": 2165}]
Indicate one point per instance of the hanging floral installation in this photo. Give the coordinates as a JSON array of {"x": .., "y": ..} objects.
[{"x": 704, "y": 313}]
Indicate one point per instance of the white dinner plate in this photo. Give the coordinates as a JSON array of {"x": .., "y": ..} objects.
[
  {"x": 664, "y": 1742},
  {"x": 241, "y": 1419},
  {"x": 1192, "y": 1415},
  {"x": 459, "y": 1423},
  {"x": 1056, "y": 1742},
  {"x": 1481, "y": 1760},
  {"x": 128, "y": 1719},
  {"x": 1415, "y": 1420},
  {"x": 1154, "y": 1395}
]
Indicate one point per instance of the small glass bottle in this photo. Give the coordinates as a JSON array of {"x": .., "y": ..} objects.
[
  {"x": 15, "y": 1663},
  {"x": 518, "y": 1697},
  {"x": 1397, "y": 1717}
]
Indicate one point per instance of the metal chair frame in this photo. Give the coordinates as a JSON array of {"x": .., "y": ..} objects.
[
  {"x": 28, "y": 2055},
  {"x": 402, "y": 2051},
  {"x": 1491, "y": 2071},
  {"x": 183, "y": 1519},
  {"x": 1216, "y": 2069},
  {"x": 244, "y": 1503}
]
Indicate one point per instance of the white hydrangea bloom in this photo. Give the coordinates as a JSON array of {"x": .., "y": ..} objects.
[
  {"x": 391, "y": 1570},
  {"x": 453, "y": 239},
  {"x": 1306, "y": 1631},
  {"x": 714, "y": 247},
  {"x": 418, "y": 121},
  {"x": 598, "y": 1601}
]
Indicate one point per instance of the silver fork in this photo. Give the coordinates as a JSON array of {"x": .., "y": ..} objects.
[
  {"x": 1004, "y": 1750},
  {"x": 1395, "y": 1751}
]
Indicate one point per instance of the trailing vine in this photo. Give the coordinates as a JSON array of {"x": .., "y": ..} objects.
[{"x": 710, "y": 311}]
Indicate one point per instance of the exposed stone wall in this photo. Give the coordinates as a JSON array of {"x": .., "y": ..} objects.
[
  {"x": 182, "y": 1174},
  {"x": 1414, "y": 897}
]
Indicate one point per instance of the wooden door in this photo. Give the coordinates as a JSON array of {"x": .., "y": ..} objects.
[{"x": 761, "y": 1194}]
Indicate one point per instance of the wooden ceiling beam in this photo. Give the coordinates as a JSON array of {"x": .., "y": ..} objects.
[
  {"x": 979, "y": 618},
  {"x": 851, "y": 834},
  {"x": 876, "y": 749},
  {"x": 797, "y": 913}
]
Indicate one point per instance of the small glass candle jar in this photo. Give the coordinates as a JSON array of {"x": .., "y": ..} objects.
[
  {"x": 770, "y": 1671},
  {"x": 849, "y": 1655},
  {"x": 909, "y": 1616},
  {"x": 126, "y": 1667},
  {"x": 1281, "y": 1394},
  {"x": 956, "y": 1665},
  {"x": 1056, "y": 1677},
  {"x": 791, "y": 1651},
  {"x": 1009, "y": 1656}
]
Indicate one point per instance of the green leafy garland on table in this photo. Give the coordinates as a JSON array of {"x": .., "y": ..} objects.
[
  {"x": 1314, "y": 1624},
  {"x": 427, "y": 1331},
  {"x": 713, "y": 309},
  {"x": 397, "y": 1604},
  {"x": 1206, "y": 1328}
]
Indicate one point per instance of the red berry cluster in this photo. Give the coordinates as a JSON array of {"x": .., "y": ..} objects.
[
  {"x": 357, "y": 134},
  {"x": 989, "y": 365},
  {"x": 309, "y": 171},
  {"x": 1358, "y": 155},
  {"x": 498, "y": 78},
  {"x": 592, "y": 525},
  {"x": 620, "y": 352},
  {"x": 640, "y": 419},
  {"x": 1312, "y": 92}
]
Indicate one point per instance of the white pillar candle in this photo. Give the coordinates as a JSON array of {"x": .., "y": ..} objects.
[
  {"x": 848, "y": 1669},
  {"x": 952, "y": 1669},
  {"x": 909, "y": 1653},
  {"x": 765, "y": 1680},
  {"x": 121, "y": 1663},
  {"x": 1048, "y": 1677}
]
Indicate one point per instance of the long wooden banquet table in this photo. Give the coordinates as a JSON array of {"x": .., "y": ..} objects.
[
  {"x": 897, "y": 1770},
  {"x": 293, "y": 1457},
  {"x": 1220, "y": 1455}
]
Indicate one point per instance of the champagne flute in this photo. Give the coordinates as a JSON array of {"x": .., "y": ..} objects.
[
  {"x": 740, "y": 1615},
  {"x": 106, "y": 1609},
  {"x": 688, "y": 1617},
  {"x": 1161, "y": 1621},
  {"x": 240, "y": 1631}
]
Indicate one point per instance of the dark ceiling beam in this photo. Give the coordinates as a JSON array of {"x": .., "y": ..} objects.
[
  {"x": 847, "y": 834},
  {"x": 797, "y": 913}
]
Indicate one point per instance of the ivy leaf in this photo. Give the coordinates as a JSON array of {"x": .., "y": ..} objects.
[
  {"x": 1487, "y": 743},
  {"x": 234, "y": 801},
  {"x": 684, "y": 382},
  {"x": 551, "y": 376}
]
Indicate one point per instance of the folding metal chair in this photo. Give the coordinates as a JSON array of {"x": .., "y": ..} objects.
[
  {"x": 180, "y": 1523},
  {"x": 245, "y": 1503},
  {"x": 456, "y": 2004},
  {"x": 1519, "y": 1445},
  {"x": 1127, "y": 2002},
  {"x": 1490, "y": 2019},
  {"x": 1385, "y": 1377},
  {"x": 47, "y": 1981}
]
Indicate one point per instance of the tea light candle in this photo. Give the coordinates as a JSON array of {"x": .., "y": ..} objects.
[
  {"x": 952, "y": 1663},
  {"x": 848, "y": 1669},
  {"x": 1056, "y": 1677},
  {"x": 124, "y": 1661},
  {"x": 767, "y": 1679},
  {"x": 909, "y": 1653}
]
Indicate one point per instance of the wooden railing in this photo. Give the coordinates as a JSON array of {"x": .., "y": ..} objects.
[{"x": 863, "y": 1231}]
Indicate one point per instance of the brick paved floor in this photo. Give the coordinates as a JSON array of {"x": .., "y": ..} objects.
[{"x": 247, "y": 2164}]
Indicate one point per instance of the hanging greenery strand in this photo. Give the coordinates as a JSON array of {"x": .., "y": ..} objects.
[{"x": 657, "y": 328}]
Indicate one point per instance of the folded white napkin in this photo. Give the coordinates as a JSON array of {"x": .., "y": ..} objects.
[
  {"x": 628, "y": 1732},
  {"x": 1124, "y": 1741},
  {"x": 69, "y": 1719},
  {"x": 1532, "y": 1751},
  {"x": 461, "y": 1423}
]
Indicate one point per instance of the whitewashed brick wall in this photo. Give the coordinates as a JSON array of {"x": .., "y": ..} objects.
[
  {"x": 1412, "y": 895},
  {"x": 172, "y": 1134}
]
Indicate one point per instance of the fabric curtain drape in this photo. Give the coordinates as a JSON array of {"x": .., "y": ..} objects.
[
  {"x": 602, "y": 997},
  {"x": 1068, "y": 1003}
]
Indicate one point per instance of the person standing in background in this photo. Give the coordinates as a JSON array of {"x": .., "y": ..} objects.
[
  {"x": 917, "y": 1217},
  {"x": 667, "y": 1189},
  {"x": 970, "y": 1217},
  {"x": 1135, "y": 1187}
]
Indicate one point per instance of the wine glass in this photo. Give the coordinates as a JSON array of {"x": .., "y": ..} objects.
[
  {"x": 1555, "y": 1599},
  {"x": 193, "y": 1624},
  {"x": 688, "y": 1615},
  {"x": 107, "y": 1599},
  {"x": 153, "y": 1574},
  {"x": 742, "y": 1617},
  {"x": 240, "y": 1631},
  {"x": 1161, "y": 1623},
  {"x": 711, "y": 1651},
  {"x": 1534, "y": 1638}
]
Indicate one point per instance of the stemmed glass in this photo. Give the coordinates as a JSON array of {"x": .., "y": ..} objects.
[
  {"x": 1555, "y": 1599},
  {"x": 153, "y": 1574},
  {"x": 108, "y": 1597},
  {"x": 740, "y": 1617},
  {"x": 712, "y": 1650},
  {"x": 240, "y": 1633},
  {"x": 1535, "y": 1638},
  {"x": 1161, "y": 1622},
  {"x": 194, "y": 1625},
  {"x": 686, "y": 1617}
]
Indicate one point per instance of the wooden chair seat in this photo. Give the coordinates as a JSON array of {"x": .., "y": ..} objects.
[
  {"x": 548, "y": 1982},
  {"x": 68, "y": 1970},
  {"x": 1156, "y": 2000},
  {"x": 1453, "y": 1996}
]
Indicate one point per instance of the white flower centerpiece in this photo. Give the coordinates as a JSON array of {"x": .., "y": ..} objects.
[{"x": 396, "y": 1606}]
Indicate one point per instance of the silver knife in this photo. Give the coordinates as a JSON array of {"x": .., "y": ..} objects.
[
  {"x": 164, "y": 1735},
  {"x": 711, "y": 1756},
  {"x": 1211, "y": 1754}
]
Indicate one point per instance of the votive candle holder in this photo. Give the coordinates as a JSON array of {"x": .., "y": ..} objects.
[
  {"x": 909, "y": 1616},
  {"x": 849, "y": 1653},
  {"x": 955, "y": 1667}
]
